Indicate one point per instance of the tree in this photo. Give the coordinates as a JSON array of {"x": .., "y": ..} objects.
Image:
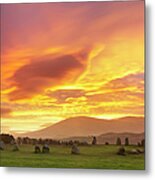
[
  {"x": 7, "y": 138},
  {"x": 118, "y": 141},
  {"x": 126, "y": 141}
]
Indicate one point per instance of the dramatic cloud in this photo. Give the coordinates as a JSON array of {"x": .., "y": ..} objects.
[
  {"x": 116, "y": 97},
  {"x": 5, "y": 112},
  {"x": 34, "y": 77},
  {"x": 62, "y": 95},
  {"x": 127, "y": 88},
  {"x": 71, "y": 59},
  {"x": 126, "y": 110},
  {"x": 131, "y": 80}
]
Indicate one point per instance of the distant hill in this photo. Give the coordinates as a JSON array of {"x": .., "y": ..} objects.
[
  {"x": 87, "y": 126},
  {"x": 111, "y": 138}
]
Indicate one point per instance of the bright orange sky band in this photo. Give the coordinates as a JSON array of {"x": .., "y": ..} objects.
[{"x": 61, "y": 60}]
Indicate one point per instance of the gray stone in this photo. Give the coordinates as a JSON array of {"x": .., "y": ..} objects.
[
  {"x": 121, "y": 151},
  {"x": 15, "y": 147},
  {"x": 37, "y": 149},
  {"x": 140, "y": 151},
  {"x": 75, "y": 149},
  {"x": 45, "y": 149},
  {"x": 1, "y": 145},
  {"x": 133, "y": 151}
]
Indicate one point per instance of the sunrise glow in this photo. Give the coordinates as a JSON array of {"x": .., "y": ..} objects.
[{"x": 62, "y": 60}]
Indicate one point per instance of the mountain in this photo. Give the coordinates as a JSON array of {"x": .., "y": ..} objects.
[{"x": 88, "y": 126}]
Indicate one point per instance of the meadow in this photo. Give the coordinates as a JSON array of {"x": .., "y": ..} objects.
[{"x": 91, "y": 157}]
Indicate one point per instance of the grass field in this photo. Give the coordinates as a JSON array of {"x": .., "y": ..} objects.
[{"x": 97, "y": 157}]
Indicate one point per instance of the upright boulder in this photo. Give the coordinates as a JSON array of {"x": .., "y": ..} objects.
[
  {"x": 15, "y": 147},
  {"x": 1, "y": 145},
  {"x": 37, "y": 149},
  {"x": 45, "y": 149},
  {"x": 75, "y": 149},
  {"x": 126, "y": 141},
  {"x": 94, "y": 141},
  {"x": 121, "y": 151},
  {"x": 143, "y": 142},
  {"x": 118, "y": 141}
]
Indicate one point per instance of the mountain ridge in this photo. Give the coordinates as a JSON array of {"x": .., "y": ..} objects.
[{"x": 85, "y": 126}]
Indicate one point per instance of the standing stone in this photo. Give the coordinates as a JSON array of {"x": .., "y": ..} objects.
[
  {"x": 126, "y": 141},
  {"x": 45, "y": 149},
  {"x": 121, "y": 151},
  {"x": 118, "y": 141},
  {"x": 37, "y": 149},
  {"x": 15, "y": 147},
  {"x": 75, "y": 149},
  {"x": 143, "y": 143},
  {"x": 94, "y": 140},
  {"x": 1, "y": 145}
]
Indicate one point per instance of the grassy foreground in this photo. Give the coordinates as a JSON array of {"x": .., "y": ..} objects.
[{"x": 97, "y": 157}]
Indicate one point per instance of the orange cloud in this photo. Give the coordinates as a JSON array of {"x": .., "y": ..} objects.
[
  {"x": 36, "y": 76},
  {"x": 132, "y": 80},
  {"x": 117, "y": 97},
  {"x": 71, "y": 59},
  {"x": 62, "y": 95},
  {"x": 5, "y": 112}
]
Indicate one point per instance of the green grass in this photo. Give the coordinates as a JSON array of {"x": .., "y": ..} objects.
[{"x": 97, "y": 157}]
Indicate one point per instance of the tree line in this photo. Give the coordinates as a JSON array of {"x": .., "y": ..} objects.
[{"x": 8, "y": 139}]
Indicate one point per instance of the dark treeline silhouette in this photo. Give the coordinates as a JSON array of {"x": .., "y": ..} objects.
[
  {"x": 7, "y": 138},
  {"x": 33, "y": 141}
]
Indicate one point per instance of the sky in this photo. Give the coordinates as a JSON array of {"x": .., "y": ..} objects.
[{"x": 62, "y": 60}]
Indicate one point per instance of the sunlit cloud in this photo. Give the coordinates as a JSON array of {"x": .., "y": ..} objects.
[
  {"x": 5, "y": 112},
  {"x": 62, "y": 60}
]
